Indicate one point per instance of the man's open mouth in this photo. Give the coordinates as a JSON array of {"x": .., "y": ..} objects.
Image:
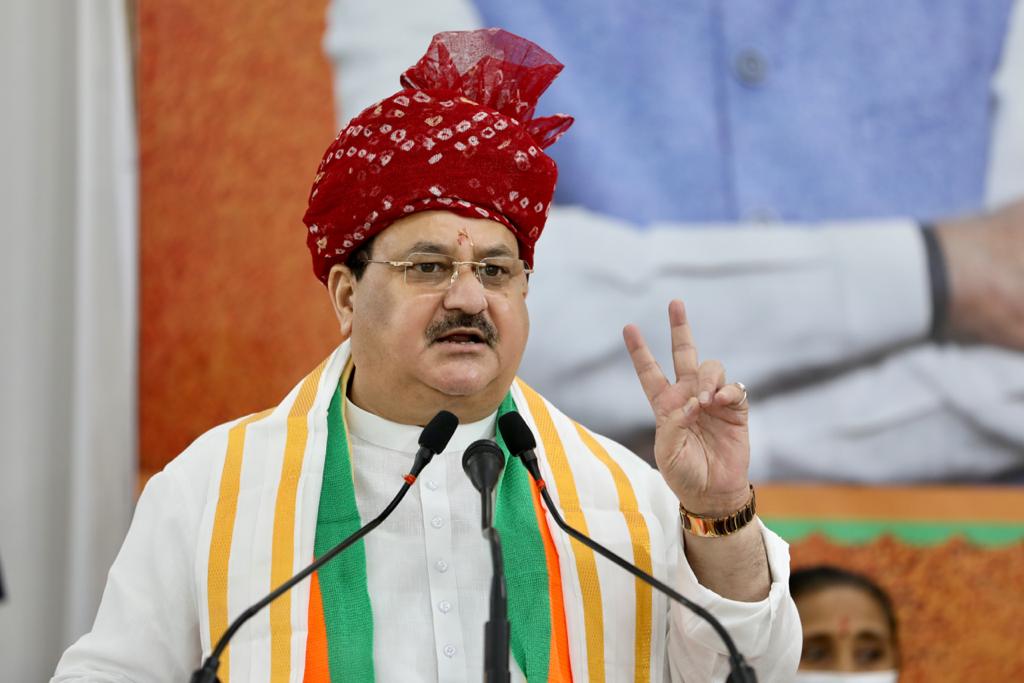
[{"x": 462, "y": 336}]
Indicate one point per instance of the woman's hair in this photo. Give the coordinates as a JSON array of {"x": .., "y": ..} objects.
[{"x": 813, "y": 579}]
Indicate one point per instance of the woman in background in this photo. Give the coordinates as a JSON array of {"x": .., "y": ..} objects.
[{"x": 850, "y": 633}]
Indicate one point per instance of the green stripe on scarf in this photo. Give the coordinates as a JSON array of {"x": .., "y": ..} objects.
[
  {"x": 348, "y": 617},
  {"x": 526, "y": 572}
]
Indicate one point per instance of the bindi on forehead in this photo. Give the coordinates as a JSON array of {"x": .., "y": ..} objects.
[
  {"x": 464, "y": 238},
  {"x": 844, "y": 625}
]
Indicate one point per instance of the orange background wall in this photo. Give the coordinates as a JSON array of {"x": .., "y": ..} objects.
[{"x": 235, "y": 111}]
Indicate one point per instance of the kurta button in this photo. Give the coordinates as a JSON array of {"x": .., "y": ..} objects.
[
  {"x": 437, "y": 522},
  {"x": 449, "y": 650},
  {"x": 432, "y": 485},
  {"x": 444, "y": 606},
  {"x": 750, "y": 67},
  {"x": 441, "y": 566}
]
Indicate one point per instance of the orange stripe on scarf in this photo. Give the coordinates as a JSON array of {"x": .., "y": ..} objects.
[
  {"x": 318, "y": 667},
  {"x": 559, "y": 670},
  {"x": 586, "y": 564}
]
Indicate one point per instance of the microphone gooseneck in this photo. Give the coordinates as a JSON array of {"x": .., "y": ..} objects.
[
  {"x": 521, "y": 444},
  {"x": 483, "y": 462},
  {"x": 433, "y": 439}
]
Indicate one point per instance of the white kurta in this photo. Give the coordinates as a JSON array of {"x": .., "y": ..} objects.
[{"x": 428, "y": 570}]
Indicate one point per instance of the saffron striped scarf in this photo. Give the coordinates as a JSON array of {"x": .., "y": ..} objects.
[{"x": 268, "y": 516}]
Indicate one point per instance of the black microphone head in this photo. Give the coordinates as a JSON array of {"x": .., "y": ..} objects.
[
  {"x": 483, "y": 462},
  {"x": 438, "y": 432},
  {"x": 516, "y": 433}
]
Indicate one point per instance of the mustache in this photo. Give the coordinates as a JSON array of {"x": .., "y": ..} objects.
[{"x": 454, "y": 321}]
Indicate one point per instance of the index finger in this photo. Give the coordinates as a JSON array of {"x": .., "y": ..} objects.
[
  {"x": 684, "y": 351},
  {"x": 652, "y": 379}
]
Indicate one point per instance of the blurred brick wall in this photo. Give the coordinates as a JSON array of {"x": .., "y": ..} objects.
[{"x": 235, "y": 112}]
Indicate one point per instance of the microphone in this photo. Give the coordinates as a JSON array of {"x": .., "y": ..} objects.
[
  {"x": 520, "y": 442},
  {"x": 483, "y": 462},
  {"x": 433, "y": 439}
]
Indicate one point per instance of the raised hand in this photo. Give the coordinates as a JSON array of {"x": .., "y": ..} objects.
[{"x": 701, "y": 444}]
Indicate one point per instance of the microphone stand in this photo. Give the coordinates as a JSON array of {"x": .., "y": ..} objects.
[
  {"x": 483, "y": 462},
  {"x": 496, "y": 630},
  {"x": 741, "y": 672}
]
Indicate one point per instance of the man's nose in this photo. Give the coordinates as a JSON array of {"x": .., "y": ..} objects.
[{"x": 465, "y": 293}]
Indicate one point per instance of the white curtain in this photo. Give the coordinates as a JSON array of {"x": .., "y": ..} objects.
[{"x": 68, "y": 345}]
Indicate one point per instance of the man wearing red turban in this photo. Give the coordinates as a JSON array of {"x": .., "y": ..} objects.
[{"x": 422, "y": 223}]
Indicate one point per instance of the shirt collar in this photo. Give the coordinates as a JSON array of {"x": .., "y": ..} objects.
[{"x": 378, "y": 431}]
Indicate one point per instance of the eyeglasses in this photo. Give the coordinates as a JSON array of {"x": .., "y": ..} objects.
[{"x": 438, "y": 271}]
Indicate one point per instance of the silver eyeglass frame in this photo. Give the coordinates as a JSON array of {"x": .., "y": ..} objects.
[{"x": 456, "y": 269}]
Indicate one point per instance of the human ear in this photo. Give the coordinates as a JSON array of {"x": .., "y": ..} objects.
[{"x": 341, "y": 284}]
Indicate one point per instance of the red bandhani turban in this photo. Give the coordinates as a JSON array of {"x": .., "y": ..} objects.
[{"x": 460, "y": 137}]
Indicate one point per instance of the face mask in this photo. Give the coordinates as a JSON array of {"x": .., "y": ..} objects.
[{"x": 847, "y": 677}]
